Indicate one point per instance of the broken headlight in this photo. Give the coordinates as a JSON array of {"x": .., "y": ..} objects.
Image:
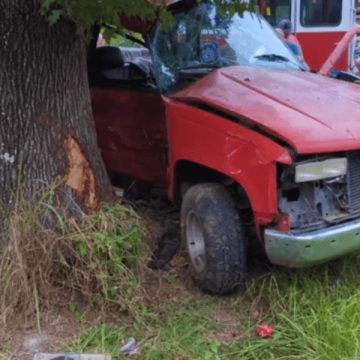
[{"x": 318, "y": 170}]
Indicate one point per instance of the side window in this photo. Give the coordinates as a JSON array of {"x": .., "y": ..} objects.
[
  {"x": 275, "y": 10},
  {"x": 320, "y": 12}
]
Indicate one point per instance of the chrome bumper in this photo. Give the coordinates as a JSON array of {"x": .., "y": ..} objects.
[{"x": 313, "y": 247}]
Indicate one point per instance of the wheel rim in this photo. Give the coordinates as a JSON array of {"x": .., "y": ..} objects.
[{"x": 195, "y": 241}]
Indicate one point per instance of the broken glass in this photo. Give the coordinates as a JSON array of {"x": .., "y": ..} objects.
[{"x": 204, "y": 39}]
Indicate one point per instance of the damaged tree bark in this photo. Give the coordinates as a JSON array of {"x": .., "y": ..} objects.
[{"x": 46, "y": 125}]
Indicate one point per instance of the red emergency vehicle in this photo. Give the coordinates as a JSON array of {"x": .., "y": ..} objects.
[{"x": 318, "y": 24}]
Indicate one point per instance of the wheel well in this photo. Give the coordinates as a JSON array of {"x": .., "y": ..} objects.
[{"x": 188, "y": 173}]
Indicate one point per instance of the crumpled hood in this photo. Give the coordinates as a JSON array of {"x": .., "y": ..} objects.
[{"x": 310, "y": 112}]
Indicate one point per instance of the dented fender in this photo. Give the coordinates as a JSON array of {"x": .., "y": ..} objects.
[{"x": 240, "y": 153}]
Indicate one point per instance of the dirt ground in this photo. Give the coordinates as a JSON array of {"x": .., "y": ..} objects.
[
  {"x": 59, "y": 325},
  {"x": 171, "y": 284},
  {"x": 167, "y": 285}
]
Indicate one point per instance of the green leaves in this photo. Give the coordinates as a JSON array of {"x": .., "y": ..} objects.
[
  {"x": 49, "y": 9},
  {"x": 89, "y": 12},
  {"x": 108, "y": 34},
  {"x": 239, "y": 6},
  {"x": 54, "y": 16},
  {"x": 45, "y": 4}
]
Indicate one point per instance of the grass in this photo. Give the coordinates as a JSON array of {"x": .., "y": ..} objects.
[
  {"x": 100, "y": 339},
  {"x": 181, "y": 331},
  {"x": 3, "y": 356},
  {"x": 315, "y": 314},
  {"x": 184, "y": 332},
  {"x": 96, "y": 257},
  {"x": 4, "y": 350}
]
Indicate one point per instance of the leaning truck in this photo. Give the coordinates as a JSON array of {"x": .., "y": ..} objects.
[{"x": 253, "y": 147}]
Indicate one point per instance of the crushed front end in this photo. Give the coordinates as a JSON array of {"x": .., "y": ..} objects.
[{"x": 319, "y": 198}]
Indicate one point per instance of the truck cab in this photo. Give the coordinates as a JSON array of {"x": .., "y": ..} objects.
[{"x": 218, "y": 110}]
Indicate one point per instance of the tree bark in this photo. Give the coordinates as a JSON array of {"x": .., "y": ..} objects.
[{"x": 47, "y": 130}]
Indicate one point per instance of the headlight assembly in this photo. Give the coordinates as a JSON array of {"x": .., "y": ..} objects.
[{"x": 318, "y": 170}]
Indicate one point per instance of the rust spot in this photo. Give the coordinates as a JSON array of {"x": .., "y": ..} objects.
[{"x": 80, "y": 175}]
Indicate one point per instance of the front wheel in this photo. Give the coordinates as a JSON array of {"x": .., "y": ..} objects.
[{"x": 214, "y": 236}]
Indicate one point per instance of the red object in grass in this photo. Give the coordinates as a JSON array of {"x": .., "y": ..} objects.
[{"x": 264, "y": 330}]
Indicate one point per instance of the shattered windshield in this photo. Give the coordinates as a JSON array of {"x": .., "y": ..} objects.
[{"x": 203, "y": 39}]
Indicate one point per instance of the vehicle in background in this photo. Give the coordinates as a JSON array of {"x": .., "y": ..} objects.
[{"x": 318, "y": 24}]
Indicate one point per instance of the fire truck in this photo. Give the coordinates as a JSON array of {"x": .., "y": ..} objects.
[{"x": 319, "y": 25}]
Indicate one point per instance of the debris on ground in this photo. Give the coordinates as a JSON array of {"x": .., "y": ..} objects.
[
  {"x": 168, "y": 246},
  {"x": 130, "y": 348},
  {"x": 165, "y": 242},
  {"x": 118, "y": 192},
  {"x": 264, "y": 330},
  {"x": 71, "y": 356}
]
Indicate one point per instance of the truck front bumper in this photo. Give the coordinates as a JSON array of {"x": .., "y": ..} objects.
[{"x": 313, "y": 247}]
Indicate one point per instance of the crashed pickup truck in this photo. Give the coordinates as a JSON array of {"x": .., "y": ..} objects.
[{"x": 255, "y": 149}]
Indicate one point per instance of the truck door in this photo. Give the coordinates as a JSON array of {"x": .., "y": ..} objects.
[{"x": 319, "y": 26}]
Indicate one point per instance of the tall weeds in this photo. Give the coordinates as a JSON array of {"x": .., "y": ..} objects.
[{"x": 95, "y": 256}]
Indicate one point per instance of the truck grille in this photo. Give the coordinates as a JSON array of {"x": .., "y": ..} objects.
[{"x": 353, "y": 181}]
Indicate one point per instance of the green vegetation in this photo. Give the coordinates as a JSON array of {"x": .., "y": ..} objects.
[
  {"x": 181, "y": 330},
  {"x": 315, "y": 314},
  {"x": 99, "y": 256},
  {"x": 4, "y": 350},
  {"x": 122, "y": 40},
  {"x": 89, "y": 12},
  {"x": 100, "y": 338},
  {"x": 96, "y": 257},
  {"x": 3, "y": 356}
]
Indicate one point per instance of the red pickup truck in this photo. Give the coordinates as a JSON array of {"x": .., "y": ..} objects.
[{"x": 220, "y": 112}]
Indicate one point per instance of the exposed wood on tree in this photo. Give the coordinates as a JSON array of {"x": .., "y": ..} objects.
[
  {"x": 44, "y": 104},
  {"x": 81, "y": 176}
]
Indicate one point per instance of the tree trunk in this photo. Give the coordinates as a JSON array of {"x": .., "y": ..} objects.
[{"x": 47, "y": 130}]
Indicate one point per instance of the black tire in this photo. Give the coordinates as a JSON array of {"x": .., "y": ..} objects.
[{"x": 211, "y": 208}]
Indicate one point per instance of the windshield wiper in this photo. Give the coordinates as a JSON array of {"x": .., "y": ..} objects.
[
  {"x": 199, "y": 69},
  {"x": 277, "y": 57},
  {"x": 272, "y": 57},
  {"x": 200, "y": 66}
]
